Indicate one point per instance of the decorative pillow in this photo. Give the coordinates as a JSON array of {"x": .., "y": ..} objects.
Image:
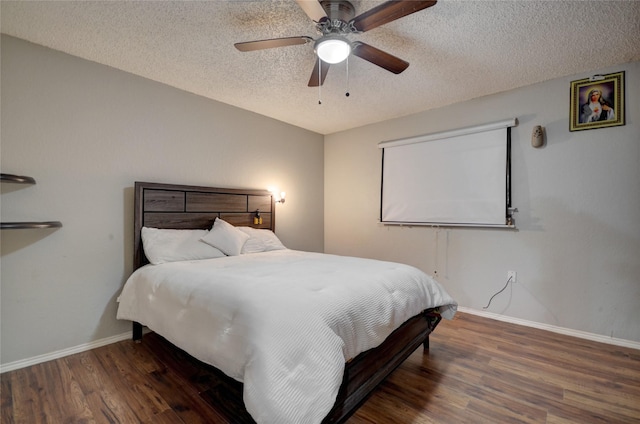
[
  {"x": 225, "y": 237},
  {"x": 162, "y": 245},
  {"x": 260, "y": 240}
]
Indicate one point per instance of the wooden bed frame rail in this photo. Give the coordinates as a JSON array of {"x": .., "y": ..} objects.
[{"x": 364, "y": 373}]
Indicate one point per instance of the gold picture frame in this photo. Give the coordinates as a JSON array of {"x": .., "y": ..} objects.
[{"x": 597, "y": 102}]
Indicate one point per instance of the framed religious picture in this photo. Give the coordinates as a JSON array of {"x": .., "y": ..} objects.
[{"x": 597, "y": 102}]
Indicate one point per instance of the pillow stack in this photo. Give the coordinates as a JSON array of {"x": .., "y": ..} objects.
[{"x": 168, "y": 245}]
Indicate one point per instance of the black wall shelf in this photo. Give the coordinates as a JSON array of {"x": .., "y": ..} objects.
[
  {"x": 19, "y": 179},
  {"x": 10, "y": 178},
  {"x": 22, "y": 225}
]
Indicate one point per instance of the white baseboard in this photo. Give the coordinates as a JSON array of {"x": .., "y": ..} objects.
[
  {"x": 561, "y": 330},
  {"x": 62, "y": 353}
]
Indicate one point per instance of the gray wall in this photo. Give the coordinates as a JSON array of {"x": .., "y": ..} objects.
[
  {"x": 577, "y": 247},
  {"x": 86, "y": 133}
]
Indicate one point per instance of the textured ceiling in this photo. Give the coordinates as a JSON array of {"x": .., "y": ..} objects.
[{"x": 457, "y": 50}]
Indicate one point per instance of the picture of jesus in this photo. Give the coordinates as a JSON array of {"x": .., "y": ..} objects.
[
  {"x": 596, "y": 108},
  {"x": 597, "y": 102}
]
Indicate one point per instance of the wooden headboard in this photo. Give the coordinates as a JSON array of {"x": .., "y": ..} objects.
[{"x": 192, "y": 207}]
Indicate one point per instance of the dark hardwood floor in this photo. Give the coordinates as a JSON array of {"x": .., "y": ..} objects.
[{"x": 477, "y": 370}]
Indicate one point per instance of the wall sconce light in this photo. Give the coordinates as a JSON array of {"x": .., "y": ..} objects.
[
  {"x": 278, "y": 198},
  {"x": 537, "y": 136}
]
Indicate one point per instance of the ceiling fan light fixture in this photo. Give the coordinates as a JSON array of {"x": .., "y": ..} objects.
[{"x": 333, "y": 49}]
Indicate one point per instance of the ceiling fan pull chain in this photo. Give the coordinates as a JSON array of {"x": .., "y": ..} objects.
[
  {"x": 319, "y": 81},
  {"x": 347, "y": 93}
]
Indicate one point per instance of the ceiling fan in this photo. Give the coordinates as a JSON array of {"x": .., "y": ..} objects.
[{"x": 335, "y": 19}]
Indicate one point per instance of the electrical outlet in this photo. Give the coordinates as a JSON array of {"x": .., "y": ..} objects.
[{"x": 513, "y": 276}]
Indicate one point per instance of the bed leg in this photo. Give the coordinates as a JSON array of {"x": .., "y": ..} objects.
[
  {"x": 426, "y": 343},
  {"x": 137, "y": 332}
]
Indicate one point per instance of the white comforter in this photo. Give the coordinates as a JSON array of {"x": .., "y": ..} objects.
[{"x": 283, "y": 322}]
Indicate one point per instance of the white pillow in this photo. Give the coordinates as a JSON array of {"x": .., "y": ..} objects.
[
  {"x": 225, "y": 237},
  {"x": 163, "y": 245},
  {"x": 260, "y": 240}
]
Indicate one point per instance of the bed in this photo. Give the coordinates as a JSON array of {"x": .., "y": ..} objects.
[{"x": 279, "y": 329}]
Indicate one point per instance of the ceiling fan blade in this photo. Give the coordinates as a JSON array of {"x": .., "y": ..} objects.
[
  {"x": 378, "y": 57},
  {"x": 313, "y": 81},
  {"x": 250, "y": 46},
  {"x": 313, "y": 9},
  {"x": 387, "y": 12}
]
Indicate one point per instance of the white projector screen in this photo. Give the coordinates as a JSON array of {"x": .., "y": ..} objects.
[{"x": 459, "y": 177}]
